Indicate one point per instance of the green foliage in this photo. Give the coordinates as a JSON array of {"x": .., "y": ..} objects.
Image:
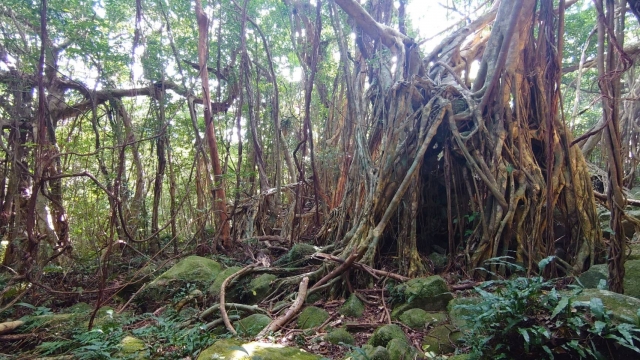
[{"x": 528, "y": 317}]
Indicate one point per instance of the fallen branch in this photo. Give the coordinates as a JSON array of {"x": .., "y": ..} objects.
[
  {"x": 223, "y": 310},
  {"x": 249, "y": 308},
  {"x": 7, "y": 327},
  {"x": 293, "y": 310}
]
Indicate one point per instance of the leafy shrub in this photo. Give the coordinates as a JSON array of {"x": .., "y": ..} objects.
[{"x": 527, "y": 318}]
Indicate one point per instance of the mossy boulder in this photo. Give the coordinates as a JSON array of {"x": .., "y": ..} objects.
[
  {"x": 235, "y": 349},
  {"x": 252, "y": 324},
  {"x": 312, "y": 317},
  {"x": 442, "y": 339},
  {"x": 400, "y": 349},
  {"x": 338, "y": 336},
  {"x": 297, "y": 256},
  {"x": 132, "y": 348},
  {"x": 591, "y": 278},
  {"x": 430, "y": 294},
  {"x": 368, "y": 352},
  {"x": 459, "y": 309},
  {"x": 259, "y": 288},
  {"x": 634, "y": 251},
  {"x": 384, "y": 334},
  {"x": 232, "y": 293},
  {"x": 419, "y": 319},
  {"x": 439, "y": 261},
  {"x": 353, "y": 307},
  {"x": 461, "y": 357},
  {"x": 192, "y": 270},
  {"x": 623, "y": 308}
]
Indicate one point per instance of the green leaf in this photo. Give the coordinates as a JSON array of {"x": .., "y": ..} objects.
[
  {"x": 598, "y": 326},
  {"x": 597, "y": 308},
  {"x": 564, "y": 301},
  {"x": 544, "y": 262}
]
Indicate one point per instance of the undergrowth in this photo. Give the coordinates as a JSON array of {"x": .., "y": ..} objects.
[{"x": 527, "y": 318}]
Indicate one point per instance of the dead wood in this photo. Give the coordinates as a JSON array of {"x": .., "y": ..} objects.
[
  {"x": 293, "y": 310},
  {"x": 223, "y": 311}
]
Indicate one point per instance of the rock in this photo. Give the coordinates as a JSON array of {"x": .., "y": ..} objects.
[
  {"x": 623, "y": 308},
  {"x": 260, "y": 287},
  {"x": 418, "y": 318},
  {"x": 234, "y": 349},
  {"x": 383, "y": 335},
  {"x": 312, "y": 317},
  {"x": 252, "y": 324},
  {"x": 591, "y": 278},
  {"x": 368, "y": 352},
  {"x": 634, "y": 251},
  {"x": 338, "y": 336},
  {"x": 214, "y": 289},
  {"x": 458, "y": 310},
  {"x": 298, "y": 255},
  {"x": 130, "y": 346},
  {"x": 631, "y": 276},
  {"x": 193, "y": 270},
  {"x": 353, "y": 307},
  {"x": 461, "y": 357},
  {"x": 439, "y": 261},
  {"x": 401, "y": 350},
  {"x": 441, "y": 339},
  {"x": 430, "y": 294}
]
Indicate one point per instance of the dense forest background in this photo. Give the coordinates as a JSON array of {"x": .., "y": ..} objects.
[{"x": 135, "y": 133}]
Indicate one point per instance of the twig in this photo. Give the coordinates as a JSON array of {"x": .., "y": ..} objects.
[
  {"x": 374, "y": 272},
  {"x": 295, "y": 307},
  {"x": 384, "y": 304},
  {"x": 250, "y": 308},
  {"x": 223, "y": 310},
  {"x": 217, "y": 322}
]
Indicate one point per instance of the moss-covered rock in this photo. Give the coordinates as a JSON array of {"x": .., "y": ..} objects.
[
  {"x": 259, "y": 288},
  {"x": 368, "y": 352},
  {"x": 297, "y": 256},
  {"x": 623, "y": 308},
  {"x": 234, "y": 349},
  {"x": 353, "y": 307},
  {"x": 401, "y": 350},
  {"x": 252, "y": 324},
  {"x": 442, "y": 339},
  {"x": 461, "y": 357},
  {"x": 312, "y": 317},
  {"x": 338, "y": 336},
  {"x": 458, "y": 310},
  {"x": 232, "y": 293},
  {"x": 419, "y": 319},
  {"x": 591, "y": 278},
  {"x": 132, "y": 348},
  {"x": 634, "y": 251},
  {"x": 386, "y": 333},
  {"x": 439, "y": 261},
  {"x": 193, "y": 270},
  {"x": 430, "y": 294}
]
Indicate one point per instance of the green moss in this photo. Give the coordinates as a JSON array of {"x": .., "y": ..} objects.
[
  {"x": 214, "y": 289},
  {"x": 383, "y": 335},
  {"x": 131, "y": 346},
  {"x": 368, "y": 352},
  {"x": 252, "y": 325},
  {"x": 338, "y": 336},
  {"x": 418, "y": 318},
  {"x": 260, "y": 287},
  {"x": 623, "y": 308},
  {"x": 590, "y": 279},
  {"x": 457, "y": 311},
  {"x": 430, "y": 294},
  {"x": 298, "y": 255},
  {"x": 78, "y": 308},
  {"x": 312, "y": 317},
  {"x": 190, "y": 269},
  {"x": 400, "y": 349},
  {"x": 234, "y": 349},
  {"x": 442, "y": 339},
  {"x": 353, "y": 307}
]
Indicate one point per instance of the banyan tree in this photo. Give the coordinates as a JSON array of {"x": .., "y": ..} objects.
[{"x": 480, "y": 165}]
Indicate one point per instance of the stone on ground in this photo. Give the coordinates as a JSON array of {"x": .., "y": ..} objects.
[
  {"x": 591, "y": 278},
  {"x": 458, "y": 311},
  {"x": 235, "y": 349},
  {"x": 624, "y": 309},
  {"x": 368, "y": 352},
  {"x": 338, "y": 336},
  {"x": 252, "y": 325},
  {"x": 430, "y": 294},
  {"x": 383, "y": 335},
  {"x": 297, "y": 256},
  {"x": 231, "y": 292},
  {"x": 400, "y": 349},
  {"x": 353, "y": 307},
  {"x": 259, "y": 288},
  {"x": 312, "y": 317},
  {"x": 419, "y": 319},
  {"x": 131, "y": 347},
  {"x": 441, "y": 339}
]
